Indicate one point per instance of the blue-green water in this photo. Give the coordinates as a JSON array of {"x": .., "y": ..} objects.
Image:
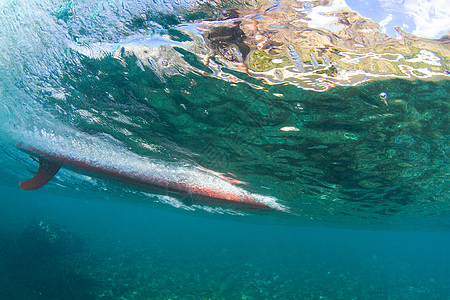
[
  {"x": 134, "y": 252},
  {"x": 358, "y": 182}
]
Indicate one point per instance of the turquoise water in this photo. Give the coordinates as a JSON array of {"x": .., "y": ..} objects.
[
  {"x": 356, "y": 177},
  {"x": 133, "y": 252}
]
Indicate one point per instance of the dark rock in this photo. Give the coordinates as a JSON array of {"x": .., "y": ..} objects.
[{"x": 43, "y": 239}]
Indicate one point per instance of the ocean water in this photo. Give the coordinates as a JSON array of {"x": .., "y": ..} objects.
[
  {"x": 135, "y": 252},
  {"x": 340, "y": 166}
]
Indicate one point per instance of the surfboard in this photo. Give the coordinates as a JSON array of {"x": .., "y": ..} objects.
[{"x": 51, "y": 163}]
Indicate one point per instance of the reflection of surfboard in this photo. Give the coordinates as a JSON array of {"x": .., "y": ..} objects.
[{"x": 50, "y": 163}]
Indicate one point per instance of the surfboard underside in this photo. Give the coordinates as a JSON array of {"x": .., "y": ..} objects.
[{"x": 50, "y": 164}]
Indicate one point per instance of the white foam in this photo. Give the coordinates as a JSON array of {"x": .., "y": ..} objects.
[
  {"x": 319, "y": 19},
  {"x": 427, "y": 57}
]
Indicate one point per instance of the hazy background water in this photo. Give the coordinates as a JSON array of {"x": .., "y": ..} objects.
[{"x": 139, "y": 252}]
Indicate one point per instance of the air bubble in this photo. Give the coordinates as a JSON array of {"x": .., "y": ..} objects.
[{"x": 383, "y": 97}]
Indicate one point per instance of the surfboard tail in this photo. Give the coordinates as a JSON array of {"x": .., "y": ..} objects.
[{"x": 46, "y": 171}]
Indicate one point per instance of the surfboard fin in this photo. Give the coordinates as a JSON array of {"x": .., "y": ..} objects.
[{"x": 46, "y": 171}]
